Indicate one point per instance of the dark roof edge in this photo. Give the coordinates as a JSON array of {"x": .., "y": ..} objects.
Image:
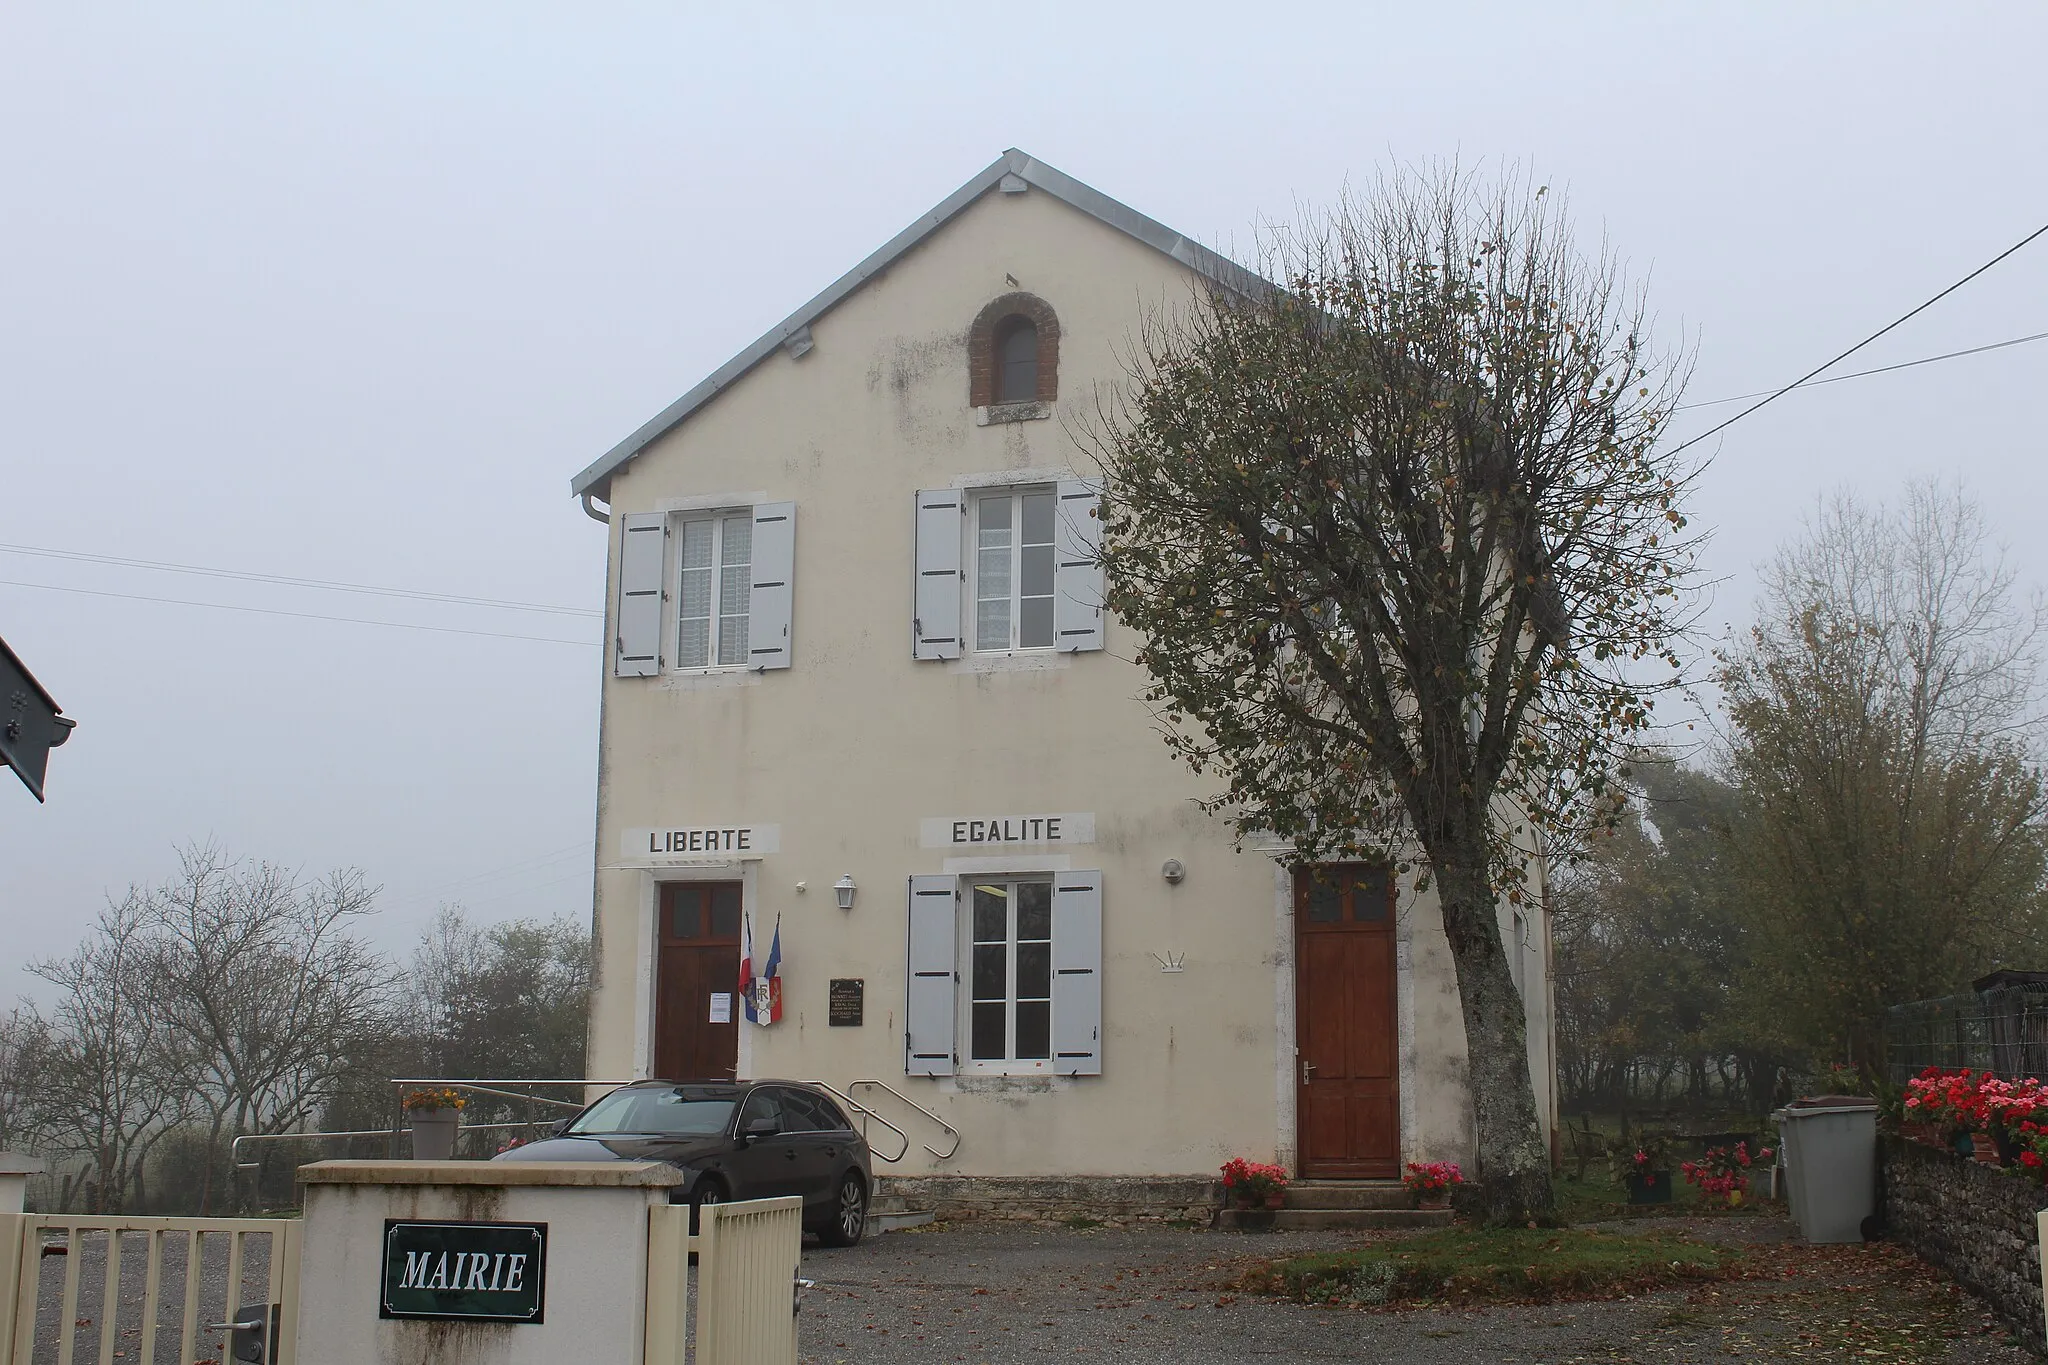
[
  {"x": 596, "y": 479},
  {"x": 22, "y": 668}
]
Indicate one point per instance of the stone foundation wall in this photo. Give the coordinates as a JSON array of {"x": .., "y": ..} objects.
[
  {"x": 1111, "y": 1198},
  {"x": 1973, "y": 1221}
]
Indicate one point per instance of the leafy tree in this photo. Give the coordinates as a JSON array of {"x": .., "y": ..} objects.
[
  {"x": 1892, "y": 823},
  {"x": 1655, "y": 998},
  {"x": 1406, "y": 556},
  {"x": 503, "y": 999}
]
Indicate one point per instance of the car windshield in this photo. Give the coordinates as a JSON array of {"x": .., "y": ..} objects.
[{"x": 679, "y": 1112}]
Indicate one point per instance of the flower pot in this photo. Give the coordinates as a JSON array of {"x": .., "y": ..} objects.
[
  {"x": 2008, "y": 1149},
  {"x": 1277, "y": 1199},
  {"x": 1984, "y": 1147},
  {"x": 1440, "y": 1200},
  {"x": 1649, "y": 1187},
  {"x": 433, "y": 1133},
  {"x": 1962, "y": 1144}
]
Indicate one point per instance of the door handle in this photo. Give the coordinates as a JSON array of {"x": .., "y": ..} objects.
[
  {"x": 1306, "y": 1067},
  {"x": 790, "y": 1153}
]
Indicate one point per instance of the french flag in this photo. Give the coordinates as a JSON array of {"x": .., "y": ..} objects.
[
  {"x": 771, "y": 983},
  {"x": 747, "y": 968}
]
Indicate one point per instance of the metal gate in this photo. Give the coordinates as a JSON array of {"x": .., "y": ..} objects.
[
  {"x": 747, "y": 1258},
  {"x": 115, "y": 1278}
]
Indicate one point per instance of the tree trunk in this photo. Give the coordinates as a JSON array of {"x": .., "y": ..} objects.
[{"x": 1514, "y": 1170}]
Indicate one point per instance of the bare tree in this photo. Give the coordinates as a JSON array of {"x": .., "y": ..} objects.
[
  {"x": 108, "y": 1078},
  {"x": 263, "y": 991},
  {"x": 1885, "y": 742},
  {"x": 1407, "y": 560},
  {"x": 24, "y": 1107}
]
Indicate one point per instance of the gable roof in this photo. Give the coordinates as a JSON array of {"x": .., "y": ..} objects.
[{"x": 1013, "y": 171}]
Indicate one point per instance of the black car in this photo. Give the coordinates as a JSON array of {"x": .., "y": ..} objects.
[{"x": 731, "y": 1140}]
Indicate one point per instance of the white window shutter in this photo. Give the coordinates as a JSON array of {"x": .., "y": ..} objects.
[
  {"x": 941, "y": 581},
  {"x": 1077, "y": 973},
  {"x": 928, "y": 1015},
  {"x": 1077, "y": 583},
  {"x": 636, "y": 647},
  {"x": 769, "y": 605}
]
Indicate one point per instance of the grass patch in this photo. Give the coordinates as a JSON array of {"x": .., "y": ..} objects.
[
  {"x": 1598, "y": 1199},
  {"x": 1493, "y": 1263}
]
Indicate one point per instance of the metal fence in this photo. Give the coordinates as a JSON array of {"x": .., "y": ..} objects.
[{"x": 2003, "y": 1030}]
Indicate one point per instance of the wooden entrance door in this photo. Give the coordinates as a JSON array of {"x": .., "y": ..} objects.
[
  {"x": 699, "y": 962},
  {"x": 1347, "y": 1086}
]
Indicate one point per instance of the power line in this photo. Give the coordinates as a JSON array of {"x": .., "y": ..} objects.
[
  {"x": 300, "y": 615},
  {"x": 326, "y": 585},
  {"x": 1882, "y": 369},
  {"x": 1780, "y": 393}
]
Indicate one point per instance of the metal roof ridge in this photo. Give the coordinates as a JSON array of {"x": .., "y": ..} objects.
[{"x": 1026, "y": 167}]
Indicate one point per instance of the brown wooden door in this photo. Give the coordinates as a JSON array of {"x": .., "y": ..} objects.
[
  {"x": 1347, "y": 1086},
  {"x": 700, "y": 960}
]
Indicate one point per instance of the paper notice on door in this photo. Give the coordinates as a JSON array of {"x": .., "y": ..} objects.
[{"x": 721, "y": 1007}]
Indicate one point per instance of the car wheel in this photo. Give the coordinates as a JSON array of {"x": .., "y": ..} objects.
[
  {"x": 710, "y": 1190},
  {"x": 849, "y": 1213}
]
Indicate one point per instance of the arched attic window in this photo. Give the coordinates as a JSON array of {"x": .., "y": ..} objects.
[
  {"x": 1016, "y": 360},
  {"x": 1013, "y": 353}
]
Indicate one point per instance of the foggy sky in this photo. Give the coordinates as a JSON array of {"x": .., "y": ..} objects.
[{"x": 349, "y": 292}]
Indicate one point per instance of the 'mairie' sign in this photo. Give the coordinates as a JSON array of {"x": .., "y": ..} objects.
[{"x": 467, "y": 1272}]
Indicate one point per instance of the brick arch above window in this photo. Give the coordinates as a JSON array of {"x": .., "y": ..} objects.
[{"x": 983, "y": 360}]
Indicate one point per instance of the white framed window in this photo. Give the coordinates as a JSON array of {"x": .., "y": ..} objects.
[
  {"x": 705, "y": 590},
  {"x": 1008, "y": 972},
  {"x": 1003, "y": 570},
  {"x": 1013, "y": 568},
  {"x": 714, "y": 559},
  {"x": 1004, "y": 974}
]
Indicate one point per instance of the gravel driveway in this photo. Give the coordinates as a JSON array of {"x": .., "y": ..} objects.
[{"x": 994, "y": 1294}]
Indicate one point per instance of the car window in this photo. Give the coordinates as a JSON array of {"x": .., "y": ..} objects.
[
  {"x": 829, "y": 1117},
  {"x": 801, "y": 1109},
  {"x": 677, "y": 1111},
  {"x": 763, "y": 1104}
]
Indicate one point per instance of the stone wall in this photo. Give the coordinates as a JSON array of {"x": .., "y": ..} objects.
[
  {"x": 1975, "y": 1222},
  {"x": 1110, "y": 1198}
]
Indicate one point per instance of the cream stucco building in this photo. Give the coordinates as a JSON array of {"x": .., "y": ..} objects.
[{"x": 857, "y": 641}]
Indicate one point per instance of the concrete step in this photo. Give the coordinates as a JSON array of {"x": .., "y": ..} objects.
[
  {"x": 1348, "y": 1194},
  {"x": 891, "y": 1222},
  {"x": 888, "y": 1212},
  {"x": 1330, "y": 1220}
]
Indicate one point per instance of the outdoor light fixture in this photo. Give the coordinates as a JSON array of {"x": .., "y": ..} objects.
[{"x": 844, "y": 889}]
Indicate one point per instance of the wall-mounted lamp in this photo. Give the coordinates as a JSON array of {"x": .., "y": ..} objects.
[
  {"x": 1173, "y": 871},
  {"x": 844, "y": 889}
]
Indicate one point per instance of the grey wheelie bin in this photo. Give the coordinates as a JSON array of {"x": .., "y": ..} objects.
[{"x": 1830, "y": 1152}]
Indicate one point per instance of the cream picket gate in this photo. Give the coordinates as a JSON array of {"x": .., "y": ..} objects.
[
  {"x": 21, "y": 1275},
  {"x": 747, "y": 1259}
]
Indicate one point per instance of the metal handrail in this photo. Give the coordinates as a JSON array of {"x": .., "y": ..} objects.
[
  {"x": 485, "y": 1086},
  {"x": 235, "y": 1147},
  {"x": 902, "y": 1098},
  {"x": 866, "y": 1113}
]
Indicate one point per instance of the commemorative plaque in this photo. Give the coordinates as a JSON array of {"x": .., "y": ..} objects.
[
  {"x": 464, "y": 1272},
  {"x": 846, "y": 1002}
]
